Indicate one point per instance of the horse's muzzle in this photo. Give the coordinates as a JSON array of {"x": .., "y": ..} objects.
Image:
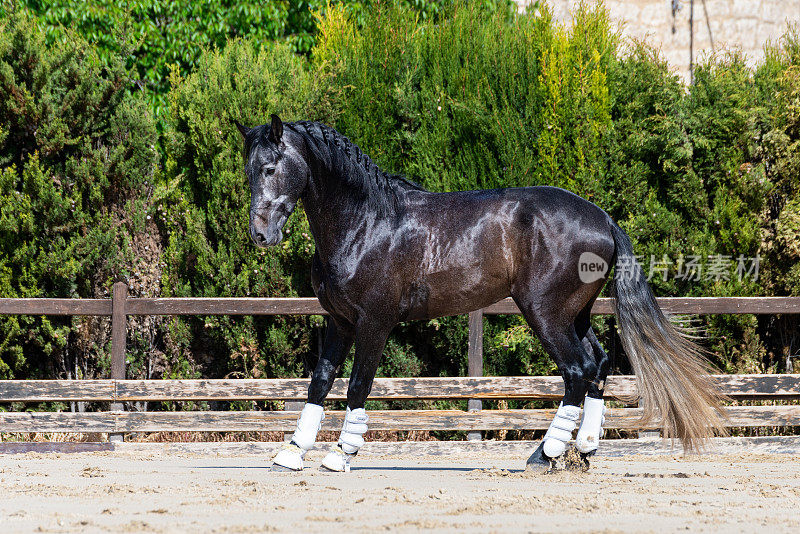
[
  {"x": 266, "y": 223},
  {"x": 266, "y": 231},
  {"x": 266, "y": 240}
]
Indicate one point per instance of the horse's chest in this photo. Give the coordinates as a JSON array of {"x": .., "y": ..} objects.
[
  {"x": 320, "y": 280},
  {"x": 328, "y": 284}
]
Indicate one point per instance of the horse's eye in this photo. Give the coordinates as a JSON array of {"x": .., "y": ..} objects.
[{"x": 268, "y": 169}]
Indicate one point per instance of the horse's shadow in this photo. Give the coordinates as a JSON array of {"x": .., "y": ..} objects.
[{"x": 365, "y": 468}]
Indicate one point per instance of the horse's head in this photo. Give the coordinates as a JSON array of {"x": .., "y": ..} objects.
[{"x": 278, "y": 175}]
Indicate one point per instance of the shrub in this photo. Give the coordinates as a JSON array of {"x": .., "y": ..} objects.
[
  {"x": 202, "y": 210},
  {"x": 157, "y": 35},
  {"x": 77, "y": 165}
]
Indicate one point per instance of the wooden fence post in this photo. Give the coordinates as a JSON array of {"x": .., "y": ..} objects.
[
  {"x": 119, "y": 324},
  {"x": 475, "y": 363}
]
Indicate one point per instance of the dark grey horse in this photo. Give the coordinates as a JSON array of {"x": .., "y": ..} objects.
[{"x": 389, "y": 251}]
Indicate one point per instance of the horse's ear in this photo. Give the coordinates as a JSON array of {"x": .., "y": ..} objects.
[
  {"x": 275, "y": 129},
  {"x": 244, "y": 130}
]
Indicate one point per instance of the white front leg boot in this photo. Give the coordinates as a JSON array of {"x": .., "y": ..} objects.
[
  {"x": 588, "y": 438},
  {"x": 291, "y": 454},
  {"x": 560, "y": 431},
  {"x": 350, "y": 441}
]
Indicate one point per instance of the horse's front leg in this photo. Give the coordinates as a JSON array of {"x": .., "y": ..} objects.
[
  {"x": 370, "y": 341},
  {"x": 335, "y": 348}
]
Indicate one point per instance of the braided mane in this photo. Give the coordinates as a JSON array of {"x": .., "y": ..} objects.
[{"x": 345, "y": 161}]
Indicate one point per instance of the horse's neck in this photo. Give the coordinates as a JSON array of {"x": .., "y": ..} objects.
[{"x": 334, "y": 213}]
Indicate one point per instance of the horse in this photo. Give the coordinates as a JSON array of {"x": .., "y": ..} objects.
[{"x": 389, "y": 251}]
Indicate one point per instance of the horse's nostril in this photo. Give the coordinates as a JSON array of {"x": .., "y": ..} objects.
[{"x": 259, "y": 238}]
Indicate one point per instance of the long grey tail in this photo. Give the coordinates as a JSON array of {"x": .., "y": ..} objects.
[{"x": 672, "y": 375}]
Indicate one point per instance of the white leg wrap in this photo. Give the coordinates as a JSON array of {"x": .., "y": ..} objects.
[
  {"x": 308, "y": 425},
  {"x": 560, "y": 431},
  {"x": 350, "y": 441},
  {"x": 591, "y": 429},
  {"x": 355, "y": 426},
  {"x": 291, "y": 455}
]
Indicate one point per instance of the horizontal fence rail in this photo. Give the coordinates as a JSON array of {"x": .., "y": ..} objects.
[
  {"x": 311, "y": 306},
  {"x": 252, "y": 421},
  {"x": 474, "y": 388},
  {"x": 621, "y": 387}
]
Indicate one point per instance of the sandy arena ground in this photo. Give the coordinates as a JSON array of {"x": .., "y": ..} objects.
[{"x": 159, "y": 491}]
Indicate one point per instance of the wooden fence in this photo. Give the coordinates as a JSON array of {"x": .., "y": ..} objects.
[{"x": 117, "y": 390}]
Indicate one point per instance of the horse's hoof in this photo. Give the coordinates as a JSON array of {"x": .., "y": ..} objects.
[
  {"x": 574, "y": 460},
  {"x": 585, "y": 460},
  {"x": 541, "y": 468},
  {"x": 289, "y": 458},
  {"x": 337, "y": 461},
  {"x": 539, "y": 462}
]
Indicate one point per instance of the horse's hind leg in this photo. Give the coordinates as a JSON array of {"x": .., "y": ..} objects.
[
  {"x": 588, "y": 438},
  {"x": 577, "y": 367},
  {"x": 335, "y": 348}
]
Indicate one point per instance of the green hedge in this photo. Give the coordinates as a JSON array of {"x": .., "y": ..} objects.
[
  {"x": 78, "y": 164},
  {"x": 476, "y": 96},
  {"x": 157, "y": 36},
  {"x": 203, "y": 210}
]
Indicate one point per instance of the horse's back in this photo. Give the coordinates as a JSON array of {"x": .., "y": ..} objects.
[{"x": 538, "y": 212}]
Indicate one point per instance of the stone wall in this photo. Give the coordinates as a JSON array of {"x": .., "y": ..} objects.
[{"x": 746, "y": 25}]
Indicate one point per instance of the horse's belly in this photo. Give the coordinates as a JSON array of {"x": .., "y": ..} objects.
[{"x": 451, "y": 293}]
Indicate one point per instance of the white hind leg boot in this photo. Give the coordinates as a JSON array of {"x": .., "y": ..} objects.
[
  {"x": 591, "y": 429},
  {"x": 350, "y": 441},
  {"x": 560, "y": 431},
  {"x": 291, "y": 454}
]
